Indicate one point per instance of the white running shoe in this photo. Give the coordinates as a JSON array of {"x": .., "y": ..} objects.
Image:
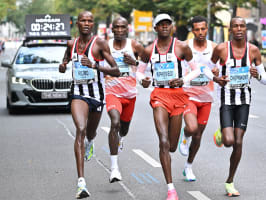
[
  {"x": 115, "y": 176},
  {"x": 188, "y": 173},
  {"x": 82, "y": 191},
  {"x": 184, "y": 143},
  {"x": 120, "y": 144},
  {"x": 89, "y": 150}
]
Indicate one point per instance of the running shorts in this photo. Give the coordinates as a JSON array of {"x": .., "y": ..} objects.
[
  {"x": 174, "y": 100},
  {"x": 94, "y": 105},
  {"x": 123, "y": 105},
  {"x": 235, "y": 116},
  {"x": 200, "y": 109}
]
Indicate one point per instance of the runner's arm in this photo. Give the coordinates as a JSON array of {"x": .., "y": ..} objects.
[{"x": 113, "y": 70}]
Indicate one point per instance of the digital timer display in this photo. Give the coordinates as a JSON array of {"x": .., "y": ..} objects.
[{"x": 42, "y": 26}]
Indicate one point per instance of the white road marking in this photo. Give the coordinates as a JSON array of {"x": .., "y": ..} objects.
[
  {"x": 65, "y": 127},
  {"x": 128, "y": 191},
  {"x": 106, "y": 129},
  {"x": 198, "y": 195},
  {"x": 147, "y": 158},
  {"x": 254, "y": 116}
]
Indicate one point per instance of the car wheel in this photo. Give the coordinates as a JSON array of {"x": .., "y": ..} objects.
[{"x": 11, "y": 109}]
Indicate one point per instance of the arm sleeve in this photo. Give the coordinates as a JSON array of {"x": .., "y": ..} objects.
[
  {"x": 140, "y": 74},
  {"x": 262, "y": 73},
  {"x": 207, "y": 72},
  {"x": 193, "y": 74}
]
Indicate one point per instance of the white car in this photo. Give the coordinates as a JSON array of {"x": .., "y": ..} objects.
[{"x": 33, "y": 79}]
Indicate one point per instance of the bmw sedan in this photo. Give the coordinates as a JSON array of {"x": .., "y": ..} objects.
[{"x": 33, "y": 79}]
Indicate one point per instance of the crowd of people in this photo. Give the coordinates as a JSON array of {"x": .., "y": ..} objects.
[{"x": 183, "y": 77}]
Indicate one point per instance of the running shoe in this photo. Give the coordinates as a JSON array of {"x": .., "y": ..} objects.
[
  {"x": 115, "y": 176},
  {"x": 82, "y": 192},
  {"x": 217, "y": 138},
  {"x": 188, "y": 173},
  {"x": 120, "y": 144},
  {"x": 89, "y": 150},
  {"x": 172, "y": 195},
  {"x": 230, "y": 190},
  {"x": 184, "y": 143}
]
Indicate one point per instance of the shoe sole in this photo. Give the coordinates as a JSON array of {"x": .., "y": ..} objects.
[
  {"x": 83, "y": 194},
  {"x": 114, "y": 180},
  {"x": 188, "y": 180},
  {"x": 232, "y": 195}
]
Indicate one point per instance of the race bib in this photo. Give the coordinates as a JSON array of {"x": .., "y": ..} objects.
[
  {"x": 123, "y": 67},
  {"x": 163, "y": 73},
  {"x": 201, "y": 79},
  {"x": 83, "y": 74},
  {"x": 239, "y": 77}
]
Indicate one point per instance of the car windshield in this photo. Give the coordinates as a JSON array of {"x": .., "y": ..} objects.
[{"x": 40, "y": 55}]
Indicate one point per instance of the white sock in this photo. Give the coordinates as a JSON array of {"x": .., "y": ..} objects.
[
  {"x": 171, "y": 186},
  {"x": 81, "y": 182},
  {"x": 188, "y": 165},
  {"x": 114, "y": 164}
]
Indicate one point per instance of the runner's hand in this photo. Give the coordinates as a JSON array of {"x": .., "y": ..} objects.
[
  {"x": 176, "y": 82},
  {"x": 62, "y": 67},
  {"x": 85, "y": 61},
  {"x": 254, "y": 72},
  {"x": 215, "y": 71},
  {"x": 222, "y": 81},
  {"x": 129, "y": 60},
  {"x": 146, "y": 82}
]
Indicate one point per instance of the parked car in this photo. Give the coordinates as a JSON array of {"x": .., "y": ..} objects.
[{"x": 33, "y": 79}]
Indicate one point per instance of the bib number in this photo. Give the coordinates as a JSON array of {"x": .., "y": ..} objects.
[
  {"x": 163, "y": 73},
  {"x": 239, "y": 77}
]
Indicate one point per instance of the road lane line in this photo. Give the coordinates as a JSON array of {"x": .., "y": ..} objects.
[
  {"x": 106, "y": 129},
  {"x": 128, "y": 191},
  {"x": 145, "y": 178},
  {"x": 146, "y": 157},
  {"x": 65, "y": 127},
  {"x": 198, "y": 195},
  {"x": 137, "y": 178},
  {"x": 152, "y": 178},
  {"x": 253, "y": 116}
]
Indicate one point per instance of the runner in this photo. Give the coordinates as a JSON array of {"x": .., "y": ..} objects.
[
  {"x": 87, "y": 53},
  {"x": 168, "y": 99},
  {"x": 200, "y": 91},
  {"x": 121, "y": 91},
  {"x": 236, "y": 58}
]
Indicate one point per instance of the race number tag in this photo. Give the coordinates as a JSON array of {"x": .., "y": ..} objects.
[
  {"x": 201, "y": 79},
  {"x": 83, "y": 74},
  {"x": 239, "y": 77},
  {"x": 163, "y": 73},
  {"x": 123, "y": 67}
]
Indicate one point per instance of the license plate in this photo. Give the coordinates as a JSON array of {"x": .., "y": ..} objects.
[{"x": 54, "y": 95}]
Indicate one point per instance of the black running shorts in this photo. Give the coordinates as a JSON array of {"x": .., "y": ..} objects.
[{"x": 235, "y": 116}]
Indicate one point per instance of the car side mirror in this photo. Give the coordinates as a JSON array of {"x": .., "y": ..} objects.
[{"x": 6, "y": 63}]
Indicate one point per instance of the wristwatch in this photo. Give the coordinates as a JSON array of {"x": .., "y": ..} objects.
[{"x": 136, "y": 62}]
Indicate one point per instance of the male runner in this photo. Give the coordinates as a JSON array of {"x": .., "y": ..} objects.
[
  {"x": 121, "y": 91},
  {"x": 200, "y": 91},
  {"x": 236, "y": 58},
  {"x": 168, "y": 99},
  {"x": 87, "y": 54}
]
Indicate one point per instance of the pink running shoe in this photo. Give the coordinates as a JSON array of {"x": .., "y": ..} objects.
[{"x": 172, "y": 195}]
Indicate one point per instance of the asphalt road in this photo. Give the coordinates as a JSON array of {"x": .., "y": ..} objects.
[{"x": 37, "y": 158}]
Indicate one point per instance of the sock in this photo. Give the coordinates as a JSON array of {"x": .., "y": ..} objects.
[
  {"x": 171, "y": 186},
  {"x": 188, "y": 165},
  {"x": 81, "y": 182},
  {"x": 114, "y": 164}
]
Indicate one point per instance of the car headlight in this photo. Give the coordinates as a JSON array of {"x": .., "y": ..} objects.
[{"x": 17, "y": 80}]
